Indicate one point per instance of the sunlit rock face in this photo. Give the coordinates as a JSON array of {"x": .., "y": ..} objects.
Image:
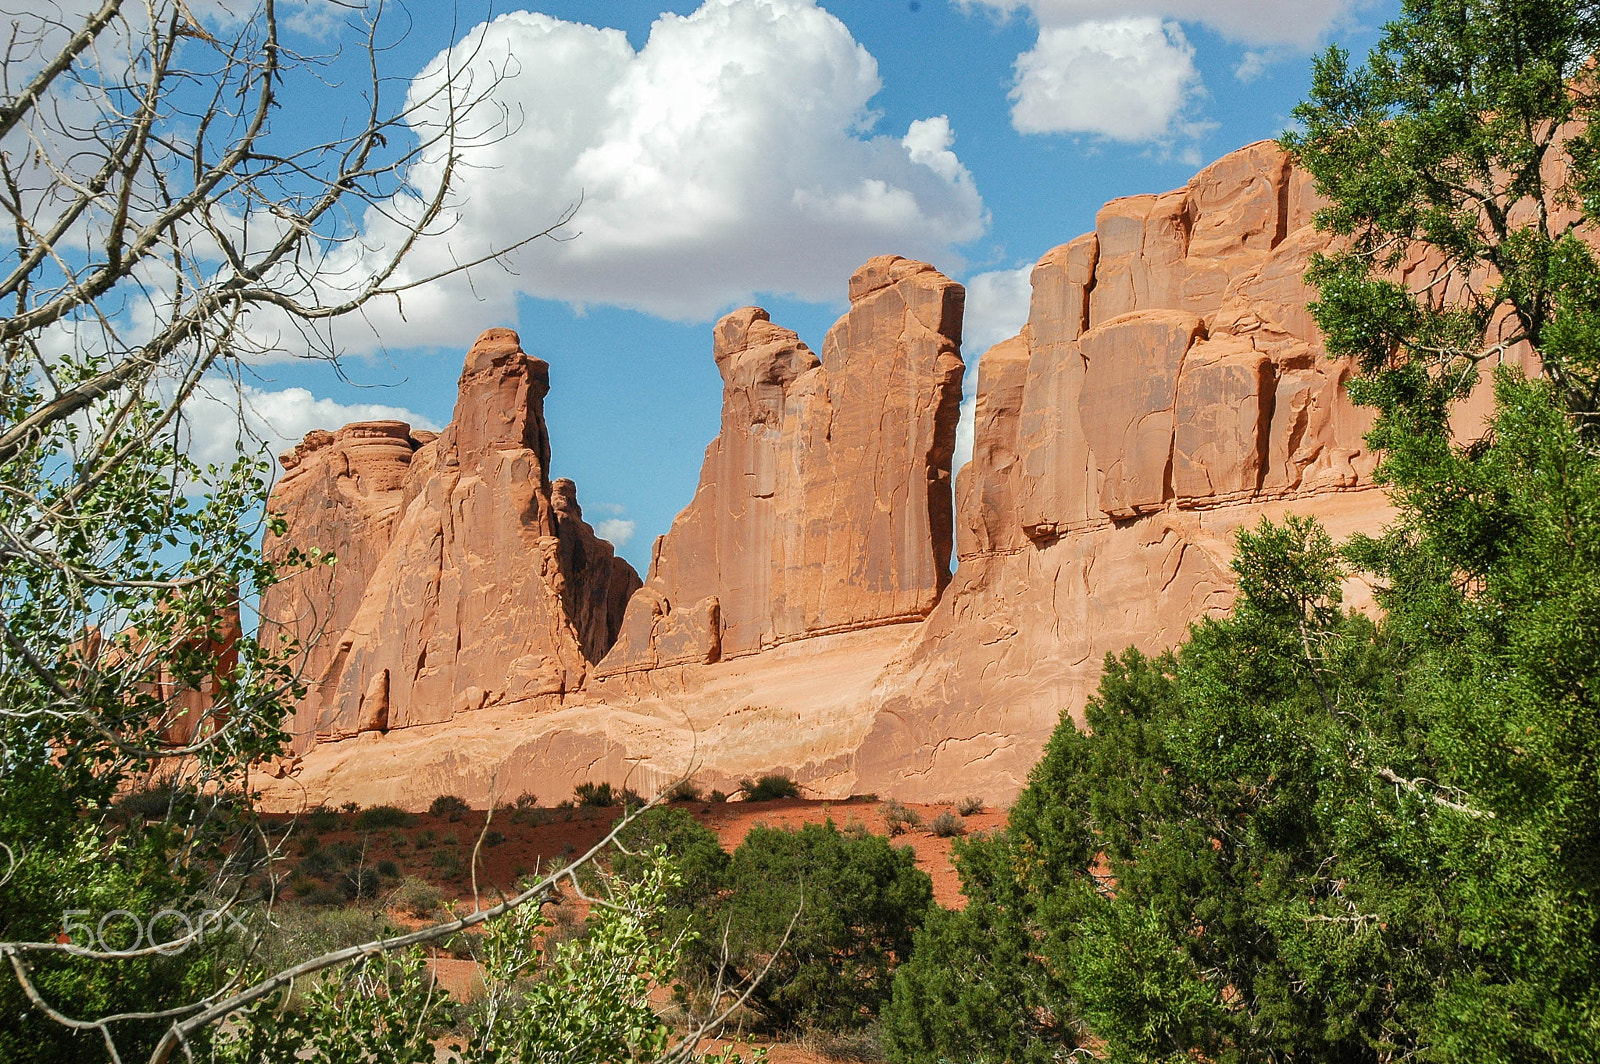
[
  {"x": 801, "y": 616},
  {"x": 465, "y": 578},
  {"x": 824, "y": 502}
]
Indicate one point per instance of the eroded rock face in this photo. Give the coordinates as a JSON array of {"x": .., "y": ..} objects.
[
  {"x": 824, "y": 503},
  {"x": 340, "y": 493},
  {"x": 1168, "y": 388},
  {"x": 465, "y": 577}
]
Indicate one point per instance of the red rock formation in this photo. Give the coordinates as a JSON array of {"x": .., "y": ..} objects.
[
  {"x": 340, "y": 493},
  {"x": 1169, "y": 387},
  {"x": 824, "y": 503},
  {"x": 474, "y": 581}
]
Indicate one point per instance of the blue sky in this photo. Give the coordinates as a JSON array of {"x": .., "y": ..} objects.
[{"x": 755, "y": 150}]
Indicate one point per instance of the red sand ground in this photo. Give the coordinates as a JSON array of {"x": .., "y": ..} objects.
[{"x": 545, "y": 839}]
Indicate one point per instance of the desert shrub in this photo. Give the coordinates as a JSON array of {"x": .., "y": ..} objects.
[
  {"x": 493, "y": 838},
  {"x": 417, "y": 897},
  {"x": 426, "y": 839},
  {"x": 683, "y": 791},
  {"x": 629, "y": 798},
  {"x": 360, "y": 883},
  {"x": 947, "y": 825},
  {"x": 350, "y": 808},
  {"x": 969, "y": 805},
  {"x": 323, "y": 895},
  {"x": 346, "y": 853},
  {"x": 527, "y": 800},
  {"x": 320, "y": 864},
  {"x": 451, "y": 806},
  {"x": 770, "y": 788},
  {"x": 449, "y": 864},
  {"x": 897, "y": 819},
  {"x": 379, "y": 817},
  {"x": 699, "y": 860},
  {"x": 322, "y": 819},
  {"x": 594, "y": 794},
  {"x": 862, "y": 900},
  {"x": 718, "y": 797},
  {"x": 388, "y": 869},
  {"x": 863, "y": 1046}
]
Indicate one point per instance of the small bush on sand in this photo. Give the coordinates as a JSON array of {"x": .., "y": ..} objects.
[
  {"x": 898, "y": 819},
  {"x": 383, "y": 816},
  {"x": 947, "y": 825},
  {"x": 970, "y": 805},
  {"x": 416, "y": 897},
  {"x": 594, "y": 794},
  {"x": 769, "y": 788},
  {"x": 683, "y": 791},
  {"x": 450, "y": 806}
]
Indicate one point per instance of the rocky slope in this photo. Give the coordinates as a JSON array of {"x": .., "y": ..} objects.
[
  {"x": 464, "y": 578},
  {"x": 1169, "y": 387}
]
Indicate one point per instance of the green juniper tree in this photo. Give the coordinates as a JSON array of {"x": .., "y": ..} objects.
[{"x": 1303, "y": 835}]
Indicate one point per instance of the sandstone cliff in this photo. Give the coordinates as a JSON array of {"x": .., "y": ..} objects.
[
  {"x": 1168, "y": 387},
  {"x": 824, "y": 503},
  {"x": 465, "y": 577}
]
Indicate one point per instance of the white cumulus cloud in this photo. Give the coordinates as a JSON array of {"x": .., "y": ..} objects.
[
  {"x": 1127, "y": 79},
  {"x": 997, "y": 309},
  {"x": 220, "y": 414},
  {"x": 734, "y": 153},
  {"x": 1301, "y": 23},
  {"x": 615, "y": 529},
  {"x": 1125, "y": 70}
]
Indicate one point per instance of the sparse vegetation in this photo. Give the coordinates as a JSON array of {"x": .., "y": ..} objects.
[
  {"x": 321, "y": 819},
  {"x": 594, "y": 794},
  {"x": 450, "y": 806},
  {"x": 683, "y": 791},
  {"x": 897, "y": 819},
  {"x": 947, "y": 825},
  {"x": 378, "y": 817},
  {"x": 417, "y": 897},
  {"x": 770, "y": 788},
  {"x": 969, "y": 806}
]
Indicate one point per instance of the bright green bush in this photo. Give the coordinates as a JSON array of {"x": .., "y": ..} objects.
[
  {"x": 379, "y": 817},
  {"x": 858, "y": 902},
  {"x": 770, "y": 788}
]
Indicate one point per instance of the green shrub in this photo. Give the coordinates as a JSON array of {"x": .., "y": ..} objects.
[
  {"x": 417, "y": 897},
  {"x": 526, "y": 800},
  {"x": 770, "y": 788},
  {"x": 897, "y": 819},
  {"x": 388, "y": 869},
  {"x": 379, "y": 817},
  {"x": 947, "y": 825},
  {"x": 683, "y": 791},
  {"x": 969, "y": 805},
  {"x": 426, "y": 839},
  {"x": 450, "y": 806},
  {"x": 322, "y": 819},
  {"x": 594, "y": 794},
  {"x": 358, "y": 883},
  {"x": 718, "y": 797},
  {"x": 492, "y": 838},
  {"x": 862, "y": 901}
]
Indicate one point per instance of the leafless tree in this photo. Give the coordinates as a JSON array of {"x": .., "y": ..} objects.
[{"x": 170, "y": 221}]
